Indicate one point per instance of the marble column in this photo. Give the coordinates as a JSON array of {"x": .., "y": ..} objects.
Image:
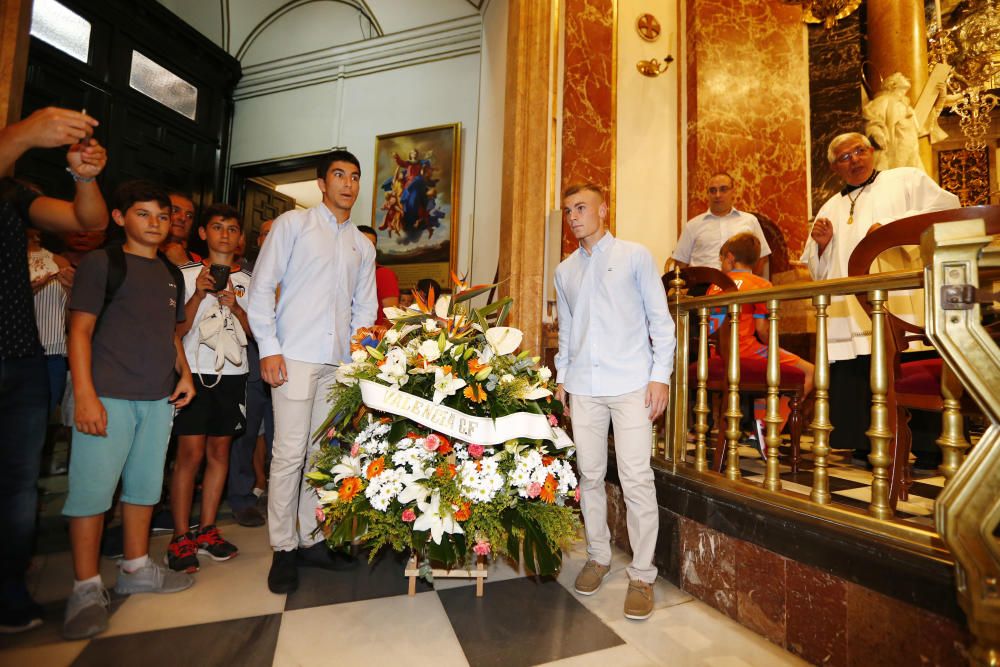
[
  {"x": 15, "y": 25},
  {"x": 525, "y": 147},
  {"x": 897, "y": 42},
  {"x": 588, "y": 129}
]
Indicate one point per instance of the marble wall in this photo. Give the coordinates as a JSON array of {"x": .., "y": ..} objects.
[
  {"x": 588, "y": 125},
  {"x": 835, "y": 59},
  {"x": 747, "y": 107}
]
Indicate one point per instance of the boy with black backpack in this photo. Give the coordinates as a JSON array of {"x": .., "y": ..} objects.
[
  {"x": 125, "y": 358},
  {"x": 214, "y": 337}
]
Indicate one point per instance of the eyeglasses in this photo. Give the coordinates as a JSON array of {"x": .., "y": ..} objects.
[
  {"x": 860, "y": 151},
  {"x": 722, "y": 189}
]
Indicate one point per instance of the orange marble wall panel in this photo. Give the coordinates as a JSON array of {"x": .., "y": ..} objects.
[
  {"x": 588, "y": 131},
  {"x": 748, "y": 108}
]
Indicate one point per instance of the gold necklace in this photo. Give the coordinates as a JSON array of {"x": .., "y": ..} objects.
[{"x": 854, "y": 200}]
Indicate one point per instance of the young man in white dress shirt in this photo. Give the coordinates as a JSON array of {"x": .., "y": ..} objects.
[
  {"x": 326, "y": 270},
  {"x": 616, "y": 346},
  {"x": 703, "y": 235},
  {"x": 870, "y": 199}
]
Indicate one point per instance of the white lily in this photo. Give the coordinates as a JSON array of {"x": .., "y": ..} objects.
[
  {"x": 349, "y": 466},
  {"x": 504, "y": 340},
  {"x": 441, "y": 305},
  {"x": 327, "y": 497},
  {"x": 445, "y": 384},
  {"x": 436, "y": 518},
  {"x": 413, "y": 490},
  {"x": 393, "y": 313},
  {"x": 394, "y": 369},
  {"x": 534, "y": 393}
]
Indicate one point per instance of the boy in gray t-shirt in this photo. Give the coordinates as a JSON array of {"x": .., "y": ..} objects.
[{"x": 123, "y": 355}]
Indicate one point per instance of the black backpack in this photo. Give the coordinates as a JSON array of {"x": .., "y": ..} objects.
[{"x": 118, "y": 268}]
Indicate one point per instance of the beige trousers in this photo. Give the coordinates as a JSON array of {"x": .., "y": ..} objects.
[
  {"x": 300, "y": 408},
  {"x": 633, "y": 444}
]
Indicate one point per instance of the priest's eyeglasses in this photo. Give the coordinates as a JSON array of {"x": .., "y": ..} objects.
[{"x": 858, "y": 152}]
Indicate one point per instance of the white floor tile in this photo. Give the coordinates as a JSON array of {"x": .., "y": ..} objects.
[
  {"x": 398, "y": 630},
  {"x": 619, "y": 656}
]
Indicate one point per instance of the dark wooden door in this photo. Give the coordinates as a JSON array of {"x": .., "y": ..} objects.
[
  {"x": 261, "y": 203},
  {"x": 144, "y": 138}
]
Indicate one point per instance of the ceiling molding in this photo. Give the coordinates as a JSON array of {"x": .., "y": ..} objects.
[
  {"x": 439, "y": 41},
  {"x": 359, "y": 5}
]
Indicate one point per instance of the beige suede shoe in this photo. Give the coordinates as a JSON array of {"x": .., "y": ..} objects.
[
  {"x": 639, "y": 600},
  {"x": 591, "y": 577}
]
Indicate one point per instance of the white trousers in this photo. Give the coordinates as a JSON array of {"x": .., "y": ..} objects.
[
  {"x": 633, "y": 445},
  {"x": 300, "y": 408}
]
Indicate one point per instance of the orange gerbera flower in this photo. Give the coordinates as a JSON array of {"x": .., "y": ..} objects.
[
  {"x": 349, "y": 488},
  {"x": 547, "y": 460},
  {"x": 548, "y": 493},
  {"x": 463, "y": 513},
  {"x": 475, "y": 393},
  {"x": 445, "y": 446},
  {"x": 445, "y": 470},
  {"x": 375, "y": 468}
]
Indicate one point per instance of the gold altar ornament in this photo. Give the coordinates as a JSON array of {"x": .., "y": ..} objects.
[
  {"x": 827, "y": 12},
  {"x": 648, "y": 27}
]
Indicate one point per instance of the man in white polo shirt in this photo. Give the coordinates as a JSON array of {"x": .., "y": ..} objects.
[{"x": 703, "y": 235}]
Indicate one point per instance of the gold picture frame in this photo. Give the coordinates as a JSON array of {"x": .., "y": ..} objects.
[{"x": 415, "y": 204}]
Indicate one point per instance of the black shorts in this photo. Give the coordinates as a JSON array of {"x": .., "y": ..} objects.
[{"x": 218, "y": 410}]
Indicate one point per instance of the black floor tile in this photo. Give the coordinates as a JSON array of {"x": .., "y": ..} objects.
[
  {"x": 383, "y": 578},
  {"x": 925, "y": 490},
  {"x": 525, "y": 621},
  {"x": 50, "y": 630},
  {"x": 247, "y": 642}
]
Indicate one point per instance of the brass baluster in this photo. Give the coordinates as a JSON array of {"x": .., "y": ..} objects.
[
  {"x": 701, "y": 407},
  {"x": 675, "y": 423},
  {"x": 821, "y": 426},
  {"x": 952, "y": 441},
  {"x": 772, "y": 479},
  {"x": 733, "y": 414},
  {"x": 879, "y": 433}
]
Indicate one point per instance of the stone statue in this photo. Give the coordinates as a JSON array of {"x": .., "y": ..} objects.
[{"x": 892, "y": 126}]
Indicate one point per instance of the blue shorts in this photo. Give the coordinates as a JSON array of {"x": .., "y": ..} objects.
[{"x": 133, "y": 451}]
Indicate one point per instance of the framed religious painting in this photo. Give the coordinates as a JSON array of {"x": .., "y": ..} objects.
[{"x": 415, "y": 204}]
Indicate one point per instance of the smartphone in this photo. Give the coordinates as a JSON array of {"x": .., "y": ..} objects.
[{"x": 220, "y": 274}]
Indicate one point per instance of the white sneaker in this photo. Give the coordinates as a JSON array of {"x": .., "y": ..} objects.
[{"x": 151, "y": 578}]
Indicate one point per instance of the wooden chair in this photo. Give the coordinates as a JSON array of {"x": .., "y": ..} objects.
[
  {"x": 779, "y": 260},
  {"x": 913, "y": 385},
  {"x": 753, "y": 373}
]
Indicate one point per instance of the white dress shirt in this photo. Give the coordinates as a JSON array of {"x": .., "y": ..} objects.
[
  {"x": 615, "y": 331},
  {"x": 326, "y": 272},
  {"x": 703, "y": 236},
  {"x": 894, "y": 194}
]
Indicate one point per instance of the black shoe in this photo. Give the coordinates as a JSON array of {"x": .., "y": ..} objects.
[
  {"x": 163, "y": 522},
  {"x": 24, "y": 617},
  {"x": 320, "y": 555},
  {"x": 249, "y": 517},
  {"x": 284, "y": 575}
]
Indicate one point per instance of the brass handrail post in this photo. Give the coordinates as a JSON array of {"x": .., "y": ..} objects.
[
  {"x": 733, "y": 413},
  {"x": 952, "y": 441},
  {"x": 701, "y": 407},
  {"x": 676, "y": 421},
  {"x": 772, "y": 417},
  {"x": 821, "y": 426},
  {"x": 879, "y": 433}
]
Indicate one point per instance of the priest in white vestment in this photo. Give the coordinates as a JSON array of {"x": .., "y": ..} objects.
[{"x": 869, "y": 200}]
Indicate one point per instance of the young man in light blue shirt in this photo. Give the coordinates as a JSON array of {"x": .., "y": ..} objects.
[
  {"x": 616, "y": 346},
  {"x": 326, "y": 270}
]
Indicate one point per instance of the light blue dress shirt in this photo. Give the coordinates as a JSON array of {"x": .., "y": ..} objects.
[
  {"x": 326, "y": 272},
  {"x": 615, "y": 330}
]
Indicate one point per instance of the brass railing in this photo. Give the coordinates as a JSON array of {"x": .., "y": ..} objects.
[
  {"x": 956, "y": 257},
  {"x": 879, "y": 518}
]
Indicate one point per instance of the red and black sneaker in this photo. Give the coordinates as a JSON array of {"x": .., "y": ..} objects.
[
  {"x": 182, "y": 554},
  {"x": 211, "y": 543}
]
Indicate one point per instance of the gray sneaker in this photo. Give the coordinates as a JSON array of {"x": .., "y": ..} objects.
[
  {"x": 151, "y": 578},
  {"x": 86, "y": 612}
]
